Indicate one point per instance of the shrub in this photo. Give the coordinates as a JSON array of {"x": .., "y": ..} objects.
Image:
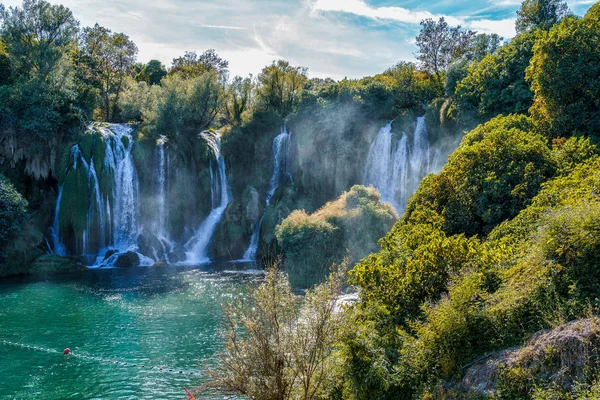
[
  {"x": 565, "y": 79},
  {"x": 353, "y": 223},
  {"x": 497, "y": 169},
  {"x": 279, "y": 347}
]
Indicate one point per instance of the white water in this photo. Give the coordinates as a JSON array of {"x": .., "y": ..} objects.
[
  {"x": 197, "y": 246},
  {"x": 126, "y": 210},
  {"x": 58, "y": 247},
  {"x": 396, "y": 165},
  {"x": 162, "y": 189},
  {"x": 114, "y": 214},
  {"x": 281, "y": 156}
]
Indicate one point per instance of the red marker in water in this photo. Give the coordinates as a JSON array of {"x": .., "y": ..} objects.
[{"x": 67, "y": 351}]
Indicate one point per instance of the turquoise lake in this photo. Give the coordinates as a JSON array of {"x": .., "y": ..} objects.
[{"x": 122, "y": 326}]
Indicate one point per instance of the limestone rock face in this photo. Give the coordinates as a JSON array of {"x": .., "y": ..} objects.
[
  {"x": 252, "y": 206},
  {"x": 561, "y": 355},
  {"x": 235, "y": 229}
]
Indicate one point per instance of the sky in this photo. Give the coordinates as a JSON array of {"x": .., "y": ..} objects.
[{"x": 333, "y": 38}]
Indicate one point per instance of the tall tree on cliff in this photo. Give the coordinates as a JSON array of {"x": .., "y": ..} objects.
[
  {"x": 109, "y": 57},
  {"x": 439, "y": 44}
]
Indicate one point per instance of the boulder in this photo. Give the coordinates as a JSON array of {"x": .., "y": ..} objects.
[
  {"x": 126, "y": 260},
  {"x": 562, "y": 355},
  {"x": 160, "y": 264},
  {"x": 109, "y": 253}
]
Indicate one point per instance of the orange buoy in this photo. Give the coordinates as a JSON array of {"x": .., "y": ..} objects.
[{"x": 67, "y": 351}]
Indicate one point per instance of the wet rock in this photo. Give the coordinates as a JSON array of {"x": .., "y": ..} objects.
[
  {"x": 252, "y": 205},
  {"x": 109, "y": 253},
  {"x": 126, "y": 260},
  {"x": 160, "y": 264},
  {"x": 177, "y": 255},
  {"x": 144, "y": 245}
]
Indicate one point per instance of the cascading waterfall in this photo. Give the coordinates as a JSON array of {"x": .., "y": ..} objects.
[
  {"x": 197, "y": 246},
  {"x": 281, "y": 160},
  {"x": 58, "y": 247},
  {"x": 161, "y": 188},
  {"x": 114, "y": 214},
  {"x": 396, "y": 166},
  {"x": 126, "y": 187}
]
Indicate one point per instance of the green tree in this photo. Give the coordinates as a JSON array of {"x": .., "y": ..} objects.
[
  {"x": 151, "y": 73},
  {"x": 483, "y": 44},
  {"x": 191, "y": 64},
  {"x": 188, "y": 106},
  {"x": 37, "y": 35},
  {"x": 565, "y": 78},
  {"x": 540, "y": 14},
  {"x": 280, "y": 87},
  {"x": 439, "y": 44},
  {"x": 239, "y": 99},
  {"x": 110, "y": 57},
  {"x": 43, "y": 102},
  {"x": 13, "y": 209},
  {"x": 495, "y": 85},
  {"x": 478, "y": 188},
  {"x": 5, "y": 65}
]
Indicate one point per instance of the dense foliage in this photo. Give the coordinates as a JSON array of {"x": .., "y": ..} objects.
[
  {"x": 565, "y": 79},
  {"x": 496, "y": 84},
  {"x": 349, "y": 226},
  {"x": 478, "y": 188},
  {"x": 13, "y": 209}
]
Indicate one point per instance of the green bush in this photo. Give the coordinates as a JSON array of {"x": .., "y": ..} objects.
[
  {"x": 496, "y": 85},
  {"x": 13, "y": 209},
  {"x": 497, "y": 169},
  {"x": 353, "y": 224},
  {"x": 565, "y": 79}
]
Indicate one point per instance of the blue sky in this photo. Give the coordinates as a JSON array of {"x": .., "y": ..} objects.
[{"x": 335, "y": 38}]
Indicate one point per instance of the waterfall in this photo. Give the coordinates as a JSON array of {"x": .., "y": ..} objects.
[
  {"x": 197, "y": 246},
  {"x": 111, "y": 216},
  {"x": 396, "y": 165},
  {"x": 58, "y": 247},
  {"x": 99, "y": 203},
  {"x": 161, "y": 177},
  {"x": 126, "y": 189},
  {"x": 281, "y": 156},
  {"x": 281, "y": 160}
]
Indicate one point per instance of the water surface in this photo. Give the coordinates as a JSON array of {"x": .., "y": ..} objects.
[{"x": 122, "y": 326}]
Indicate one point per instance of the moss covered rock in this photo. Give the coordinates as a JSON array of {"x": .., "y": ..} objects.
[{"x": 53, "y": 264}]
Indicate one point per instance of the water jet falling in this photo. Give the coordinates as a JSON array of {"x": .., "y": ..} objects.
[
  {"x": 281, "y": 161},
  {"x": 197, "y": 246},
  {"x": 396, "y": 165},
  {"x": 162, "y": 166}
]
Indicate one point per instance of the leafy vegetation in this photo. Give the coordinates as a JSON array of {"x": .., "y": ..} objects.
[{"x": 349, "y": 226}]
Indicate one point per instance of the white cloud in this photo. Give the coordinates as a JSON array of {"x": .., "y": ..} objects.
[
  {"x": 238, "y": 28},
  {"x": 361, "y": 8},
  {"x": 503, "y": 27}
]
